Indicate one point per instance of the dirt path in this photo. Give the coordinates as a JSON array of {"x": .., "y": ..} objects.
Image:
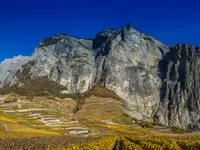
[{"x": 25, "y": 110}]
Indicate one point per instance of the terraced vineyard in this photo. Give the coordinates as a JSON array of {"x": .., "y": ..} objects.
[
  {"x": 41, "y": 114},
  {"x": 51, "y": 123},
  {"x": 56, "y": 115}
]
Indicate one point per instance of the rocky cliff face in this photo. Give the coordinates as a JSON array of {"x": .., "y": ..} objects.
[
  {"x": 66, "y": 60},
  {"x": 126, "y": 63},
  {"x": 156, "y": 82},
  {"x": 180, "y": 92},
  {"x": 9, "y": 66}
]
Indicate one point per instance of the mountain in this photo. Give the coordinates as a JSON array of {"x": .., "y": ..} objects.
[
  {"x": 9, "y": 66},
  {"x": 155, "y": 81}
]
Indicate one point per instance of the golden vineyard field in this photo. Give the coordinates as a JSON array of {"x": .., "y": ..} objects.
[
  {"x": 137, "y": 143},
  {"x": 102, "y": 144}
]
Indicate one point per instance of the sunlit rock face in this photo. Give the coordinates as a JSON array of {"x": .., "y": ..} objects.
[
  {"x": 9, "y": 66},
  {"x": 127, "y": 63},
  {"x": 67, "y": 60},
  {"x": 156, "y": 82}
]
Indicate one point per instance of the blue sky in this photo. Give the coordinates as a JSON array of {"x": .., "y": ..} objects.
[{"x": 24, "y": 23}]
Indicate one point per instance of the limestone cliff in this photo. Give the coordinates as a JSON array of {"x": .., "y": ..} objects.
[{"x": 155, "y": 81}]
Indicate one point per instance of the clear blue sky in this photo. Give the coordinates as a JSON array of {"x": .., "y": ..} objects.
[{"x": 24, "y": 23}]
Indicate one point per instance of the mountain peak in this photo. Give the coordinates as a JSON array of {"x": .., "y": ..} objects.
[{"x": 128, "y": 26}]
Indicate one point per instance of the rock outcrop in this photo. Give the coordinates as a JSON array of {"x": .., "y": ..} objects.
[
  {"x": 155, "y": 81},
  {"x": 8, "y": 67}
]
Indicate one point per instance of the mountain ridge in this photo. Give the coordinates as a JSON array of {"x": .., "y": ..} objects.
[{"x": 138, "y": 67}]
